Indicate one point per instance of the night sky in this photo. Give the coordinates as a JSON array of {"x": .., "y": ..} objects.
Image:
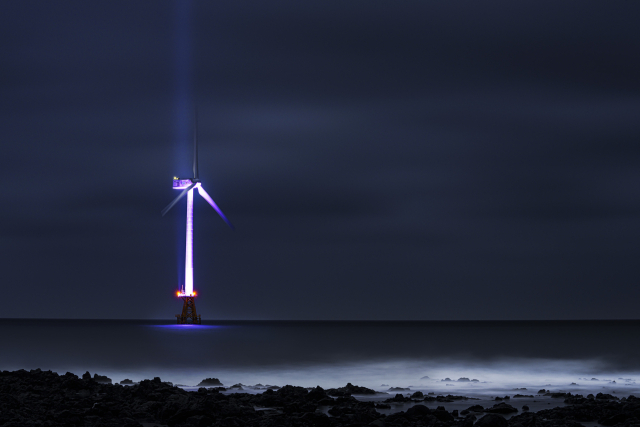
[{"x": 380, "y": 160}]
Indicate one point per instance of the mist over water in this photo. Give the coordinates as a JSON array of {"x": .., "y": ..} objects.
[{"x": 501, "y": 356}]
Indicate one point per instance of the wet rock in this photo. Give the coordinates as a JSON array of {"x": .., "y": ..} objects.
[
  {"x": 525, "y": 408},
  {"x": 28, "y": 397},
  {"x": 474, "y": 408},
  {"x": 101, "y": 379},
  {"x": 604, "y": 396},
  {"x": 349, "y": 389},
  {"x": 318, "y": 394},
  {"x": 417, "y": 395},
  {"x": 418, "y": 411},
  {"x": 557, "y": 395},
  {"x": 315, "y": 419},
  {"x": 501, "y": 408},
  {"x": 491, "y": 420},
  {"x": 399, "y": 389},
  {"x": 614, "y": 419},
  {"x": 209, "y": 382},
  {"x": 469, "y": 420},
  {"x": 442, "y": 415},
  {"x": 398, "y": 398}
]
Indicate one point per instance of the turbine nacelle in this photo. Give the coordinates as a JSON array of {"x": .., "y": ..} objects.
[
  {"x": 182, "y": 183},
  {"x": 187, "y": 185}
]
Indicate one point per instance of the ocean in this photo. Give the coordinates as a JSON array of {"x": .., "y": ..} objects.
[{"x": 478, "y": 359}]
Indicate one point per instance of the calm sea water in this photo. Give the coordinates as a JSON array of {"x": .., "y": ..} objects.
[{"x": 576, "y": 356}]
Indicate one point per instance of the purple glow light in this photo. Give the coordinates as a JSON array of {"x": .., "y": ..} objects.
[
  {"x": 181, "y": 184},
  {"x": 188, "y": 326},
  {"x": 188, "y": 262},
  {"x": 208, "y": 198}
]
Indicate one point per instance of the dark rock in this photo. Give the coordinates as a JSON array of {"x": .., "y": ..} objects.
[
  {"x": 398, "y": 398},
  {"x": 126, "y": 381},
  {"x": 417, "y": 395},
  {"x": 44, "y": 398},
  {"x": 491, "y": 420},
  {"x": 418, "y": 411},
  {"x": 335, "y": 411},
  {"x": 102, "y": 379},
  {"x": 318, "y": 394},
  {"x": 86, "y": 376},
  {"x": 557, "y": 395},
  {"x": 349, "y": 389},
  {"x": 501, "y": 408},
  {"x": 469, "y": 420},
  {"x": 525, "y": 408},
  {"x": 399, "y": 389},
  {"x": 474, "y": 408},
  {"x": 442, "y": 415},
  {"x": 209, "y": 382},
  {"x": 604, "y": 396},
  {"x": 325, "y": 402},
  {"x": 614, "y": 419},
  {"x": 315, "y": 419}
]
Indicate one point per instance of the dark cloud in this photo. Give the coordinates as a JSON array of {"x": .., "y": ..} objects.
[{"x": 379, "y": 160}]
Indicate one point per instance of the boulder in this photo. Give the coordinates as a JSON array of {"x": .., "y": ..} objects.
[
  {"x": 491, "y": 420},
  {"x": 442, "y": 415},
  {"x": 474, "y": 408},
  {"x": 418, "y": 411},
  {"x": 210, "y": 382},
  {"x": 501, "y": 408},
  {"x": 102, "y": 379},
  {"x": 399, "y": 389},
  {"x": 348, "y": 390}
]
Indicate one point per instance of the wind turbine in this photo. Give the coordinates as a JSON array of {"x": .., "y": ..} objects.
[{"x": 187, "y": 185}]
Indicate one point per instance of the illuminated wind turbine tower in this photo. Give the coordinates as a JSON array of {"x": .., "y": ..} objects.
[{"x": 187, "y": 185}]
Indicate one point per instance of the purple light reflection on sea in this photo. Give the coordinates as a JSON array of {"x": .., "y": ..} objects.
[{"x": 189, "y": 327}]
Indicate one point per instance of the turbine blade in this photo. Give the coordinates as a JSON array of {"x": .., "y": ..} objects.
[
  {"x": 195, "y": 146},
  {"x": 214, "y": 206},
  {"x": 180, "y": 196}
]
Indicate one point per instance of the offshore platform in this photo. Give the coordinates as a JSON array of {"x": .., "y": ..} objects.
[{"x": 187, "y": 185}]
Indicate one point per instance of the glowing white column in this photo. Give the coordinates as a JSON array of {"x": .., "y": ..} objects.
[{"x": 188, "y": 262}]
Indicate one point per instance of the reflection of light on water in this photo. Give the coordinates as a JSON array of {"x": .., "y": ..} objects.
[{"x": 187, "y": 327}]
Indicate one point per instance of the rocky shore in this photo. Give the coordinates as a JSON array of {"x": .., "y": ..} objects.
[{"x": 44, "y": 398}]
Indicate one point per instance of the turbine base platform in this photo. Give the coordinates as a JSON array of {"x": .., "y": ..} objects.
[{"x": 188, "y": 315}]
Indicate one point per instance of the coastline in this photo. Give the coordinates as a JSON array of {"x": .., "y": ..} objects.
[{"x": 39, "y": 397}]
